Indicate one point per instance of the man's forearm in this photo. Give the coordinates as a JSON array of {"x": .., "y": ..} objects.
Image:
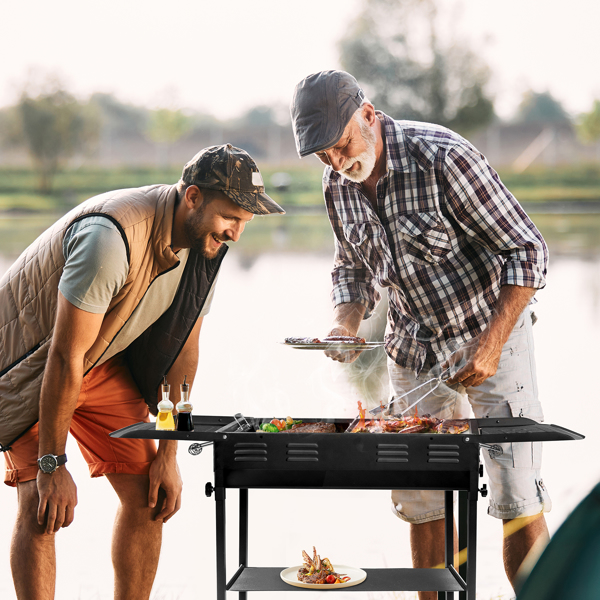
[
  {"x": 58, "y": 399},
  {"x": 348, "y": 316},
  {"x": 483, "y": 357},
  {"x": 512, "y": 301}
]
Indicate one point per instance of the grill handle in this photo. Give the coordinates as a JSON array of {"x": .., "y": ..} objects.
[
  {"x": 195, "y": 449},
  {"x": 494, "y": 449}
]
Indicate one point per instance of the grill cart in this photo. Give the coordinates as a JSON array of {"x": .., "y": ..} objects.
[{"x": 258, "y": 460}]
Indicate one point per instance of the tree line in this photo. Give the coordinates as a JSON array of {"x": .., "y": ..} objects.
[{"x": 394, "y": 49}]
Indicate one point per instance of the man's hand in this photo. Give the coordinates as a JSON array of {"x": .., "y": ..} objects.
[
  {"x": 347, "y": 318},
  {"x": 345, "y": 356},
  {"x": 482, "y": 354},
  {"x": 58, "y": 498},
  {"x": 164, "y": 473}
]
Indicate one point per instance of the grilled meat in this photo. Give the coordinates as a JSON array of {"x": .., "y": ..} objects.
[
  {"x": 333, "y": 339},
  {"x": 319, "y": 427},
  {"x": 302, "y": 340}
]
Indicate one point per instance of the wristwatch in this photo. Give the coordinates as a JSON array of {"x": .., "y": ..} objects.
[{"x": 50, "y": 462}]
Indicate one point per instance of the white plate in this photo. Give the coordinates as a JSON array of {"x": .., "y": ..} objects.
[
  {"x": 335, "y": 346},
  {"x": 290, "y": 576}
]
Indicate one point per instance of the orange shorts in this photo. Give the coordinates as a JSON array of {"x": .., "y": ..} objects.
[{"x": 109, "y": 400}]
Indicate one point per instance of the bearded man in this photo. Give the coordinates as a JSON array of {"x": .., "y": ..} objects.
[
  {"x": 94, "y": 314},
  {"x": 416, "y": 209}
]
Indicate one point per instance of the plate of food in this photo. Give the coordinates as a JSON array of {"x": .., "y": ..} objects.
[
  {"x": 317, "y": 573},
  {"x": 332, "y": 342}
]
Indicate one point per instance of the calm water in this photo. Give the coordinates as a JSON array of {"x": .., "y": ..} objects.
[{"x": 276, "y": 283}]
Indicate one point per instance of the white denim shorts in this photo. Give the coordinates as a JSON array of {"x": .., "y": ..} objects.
[{"x": 516, "y": 486}]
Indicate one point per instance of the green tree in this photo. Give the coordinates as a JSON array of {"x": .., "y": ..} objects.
[
  {"x": 54, "y": 125},
  {"x": 165, "y": 127},
  {"x": 394, "y": 50},
  {"x": 118, "y": 117},
  {"x": 541, "y": 107},
  {"x": 588, "y": 127}
]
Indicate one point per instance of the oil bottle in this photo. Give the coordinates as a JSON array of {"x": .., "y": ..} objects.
[
  {"x": 164, "y": 419},
  {"x": 184, "y": 409}
]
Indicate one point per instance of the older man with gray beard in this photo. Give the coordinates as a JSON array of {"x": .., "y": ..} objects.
[{"x": 416, "y": 209}]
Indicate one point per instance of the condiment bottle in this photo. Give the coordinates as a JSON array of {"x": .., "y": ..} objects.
[
  {"x": 184, "y": 409},
  {"x": 164, "y": 419}
]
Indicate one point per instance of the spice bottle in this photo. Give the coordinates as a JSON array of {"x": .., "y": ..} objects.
[
  {"x": 164, "y": 419},
  {"x": 184, "y": 409}
]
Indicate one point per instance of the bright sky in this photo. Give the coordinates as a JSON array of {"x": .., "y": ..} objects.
[{"x": 224, "y": 56}]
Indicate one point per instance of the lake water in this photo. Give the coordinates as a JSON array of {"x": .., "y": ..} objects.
[{"x": 276, "y": 283}]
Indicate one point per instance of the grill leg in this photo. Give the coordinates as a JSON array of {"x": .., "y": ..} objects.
[
  {"x": 472, "y": 544},
  {"x": 449, "y": 538},
  {"x": 243, "y": 533},
  {"x": 221, "y": 566},
  {"x": 462, "y": 538}
]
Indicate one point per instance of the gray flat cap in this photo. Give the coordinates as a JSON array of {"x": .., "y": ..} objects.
[{"x": 322, "y": 106}]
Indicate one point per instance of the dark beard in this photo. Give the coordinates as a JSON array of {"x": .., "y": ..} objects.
[{"x": 197, "y": 235}]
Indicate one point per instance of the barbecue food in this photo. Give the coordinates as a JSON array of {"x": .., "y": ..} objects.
[
  {"x": 318, "y": 571},
  {"x": 453, "y": 426},
  {"x": 415, "y": 424},
  {"x": 279, "y": 425},
  {"x": 319, "y": 427},
  {"x": 333, "y": 339},
  {"x": 302, "y": 340}
]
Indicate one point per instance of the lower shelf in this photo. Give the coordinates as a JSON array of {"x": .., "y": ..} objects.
[{"x": 267, "y": 579}]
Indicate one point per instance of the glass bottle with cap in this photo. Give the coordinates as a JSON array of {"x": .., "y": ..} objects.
[
  {"x": 184, "y": 409},
  {"x": 164, "y": 419}
]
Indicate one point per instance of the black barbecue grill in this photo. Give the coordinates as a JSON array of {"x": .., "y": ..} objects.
[{"x": 255, "y": 459}]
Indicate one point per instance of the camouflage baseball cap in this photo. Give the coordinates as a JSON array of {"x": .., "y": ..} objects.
[{"x": 232, "y": 171}]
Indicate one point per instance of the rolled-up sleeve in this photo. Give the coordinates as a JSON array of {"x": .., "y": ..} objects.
[
  {"x": 353, "y": 281},
  {"x": 486, "y": 211}
]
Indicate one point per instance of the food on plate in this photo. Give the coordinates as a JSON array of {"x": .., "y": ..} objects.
[
  {"x": 302, "y": 340},
  {"x": 333, "y": 339},
  {"x": 408, "y": 424},
  {"x": 319, "y": 571}
]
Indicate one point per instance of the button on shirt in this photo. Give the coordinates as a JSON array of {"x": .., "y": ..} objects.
[{"x": 446, "y": 236}]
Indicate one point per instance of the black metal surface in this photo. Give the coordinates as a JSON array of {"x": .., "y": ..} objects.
[
  {"x": 254, "y": 579},
  {"x": 447, "y": 462},
  {"x": 222, "y": 428}
]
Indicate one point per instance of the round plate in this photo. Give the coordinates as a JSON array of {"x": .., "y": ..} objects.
[
  {"x": 335, "y": 346},
  {"x": 290, "y": 576}
]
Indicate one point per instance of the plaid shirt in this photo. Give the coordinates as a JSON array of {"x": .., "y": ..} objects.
[{"x": 448, "y": 236}]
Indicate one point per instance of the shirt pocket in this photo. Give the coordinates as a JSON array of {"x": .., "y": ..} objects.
[
  {"x": 363, "y": 240},
  {"x": 423, "y": 237}
]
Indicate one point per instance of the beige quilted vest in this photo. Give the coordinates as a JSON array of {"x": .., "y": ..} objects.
[{"x": 29, "y": 292}]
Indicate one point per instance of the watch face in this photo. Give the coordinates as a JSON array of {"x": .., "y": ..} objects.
[{"x": 48, "y": 463}]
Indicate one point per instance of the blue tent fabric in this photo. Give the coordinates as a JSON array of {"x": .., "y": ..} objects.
[{"x": 569, "y": 567}]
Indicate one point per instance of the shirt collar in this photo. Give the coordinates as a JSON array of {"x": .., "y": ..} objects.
[{"x": 402, "y": 150}]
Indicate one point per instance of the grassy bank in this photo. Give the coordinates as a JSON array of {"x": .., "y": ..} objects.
[{"x": 18, "y": 186}]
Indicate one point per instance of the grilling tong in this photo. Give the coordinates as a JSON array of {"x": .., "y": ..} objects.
[{"x": 437, "y": 381}]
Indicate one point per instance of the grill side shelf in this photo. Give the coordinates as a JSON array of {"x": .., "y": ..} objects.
[
  {"x": 520, "y": 430},
  {"x": 205, "y": 430}
]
